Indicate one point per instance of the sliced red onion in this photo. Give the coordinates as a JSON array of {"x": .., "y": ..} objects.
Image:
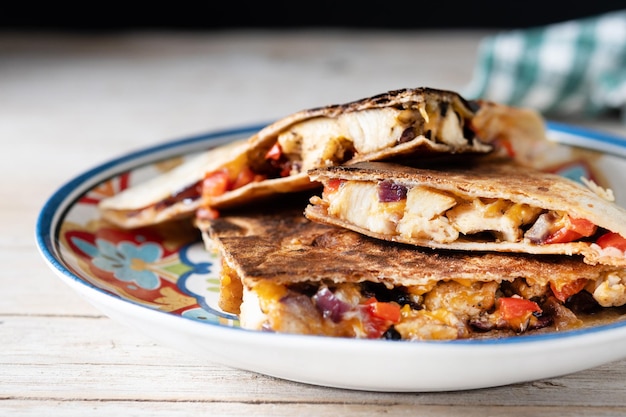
[
  {"x": 329, "y": 305},
  {"x": 390, "y": 192}
]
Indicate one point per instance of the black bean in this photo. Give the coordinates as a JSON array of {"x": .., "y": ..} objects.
[{"x": 391, "y": 334}]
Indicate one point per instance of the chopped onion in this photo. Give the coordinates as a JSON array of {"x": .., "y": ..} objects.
[
  {"x": 329, "y": 305},
  {"x": 539, "y": 232},
  {"x": 389, "y": 191}
]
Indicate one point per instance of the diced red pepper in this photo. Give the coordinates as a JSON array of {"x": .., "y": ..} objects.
[
  {"x": 332, "y": 185},
  {"x": 246, "y": 176},
  {"x": 574, "y": 229},
  {"x": 379, "y": 316},
  {"x": 514, "y": 308},
  {"x": 375, "y": 327},
  {"x": 386, "y": 311},
  {"x": 612, "y": 239},
  {"x": 215, "y": 183},
  {"x": 274, "y": 153},
  {"x": 569, "y": 289}
]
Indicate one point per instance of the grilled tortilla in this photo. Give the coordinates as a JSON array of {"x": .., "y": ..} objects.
[
  {"x": 409, "y": 123},
  {"x": 284, "y": 273},
  {"x": 485, "y": 204}
]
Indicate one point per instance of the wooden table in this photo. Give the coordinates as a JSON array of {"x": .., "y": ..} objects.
[{"x": 70, "y": 102}]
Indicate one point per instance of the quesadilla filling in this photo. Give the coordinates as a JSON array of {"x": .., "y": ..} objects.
[
  {"x": 442, "y": 310},
  {"x": 325, "y": 141},
  {"x": 423, "y": 213}
]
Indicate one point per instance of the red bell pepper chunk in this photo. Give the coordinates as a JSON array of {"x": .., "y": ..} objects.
[
  {"x": 274, "y": 153},
  {"x": 216, "y": 183},
  {"x": 378, "y": 317},
  {"x": 385, "y": 311},
  {"x": 569, "y": 289},
  {"x": 246, "y": 176},
  {"x": 332, "y": 185},
  {"x": 512, "y": 308},
  {"x": 574, "y": 229},
  {"x": 612, "y": 239}
]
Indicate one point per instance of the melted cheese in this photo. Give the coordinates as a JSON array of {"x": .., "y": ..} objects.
[{"x": 447, "y": 309}]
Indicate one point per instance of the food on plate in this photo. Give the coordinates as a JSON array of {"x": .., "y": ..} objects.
[
  {"x": 409, "y": 123},
  {"x": 169, "y": 196},
  {"x": 483, "y": 204},
  {"x": 409, "y": 215},
  {"x": 284, "y": 273}
]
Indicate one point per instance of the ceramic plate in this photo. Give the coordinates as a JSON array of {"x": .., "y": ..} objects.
[{"x": 164, "y": 284}]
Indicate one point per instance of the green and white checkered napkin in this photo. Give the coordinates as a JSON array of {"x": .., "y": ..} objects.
[{"x": 575, "y": 67}]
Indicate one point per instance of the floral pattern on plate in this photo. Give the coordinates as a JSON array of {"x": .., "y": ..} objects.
[{"x": 164, "y": 267}]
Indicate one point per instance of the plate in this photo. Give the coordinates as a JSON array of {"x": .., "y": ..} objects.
[{"x": 162, "y": 283}]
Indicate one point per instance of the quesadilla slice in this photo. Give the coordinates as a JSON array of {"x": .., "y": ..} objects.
[
  {"x": 411, "y": 123},
  {"x": 172, "y": 195},
  {"x": 283, "y": 273},
  {"x": 484, "y": 204}
]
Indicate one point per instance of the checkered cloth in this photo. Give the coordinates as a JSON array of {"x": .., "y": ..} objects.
[{"x": 575, "y": 67}]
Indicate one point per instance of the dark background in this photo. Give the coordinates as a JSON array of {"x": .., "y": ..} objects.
[{"x": 382, "y": 14}]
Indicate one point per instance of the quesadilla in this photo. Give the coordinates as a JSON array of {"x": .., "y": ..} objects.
[
  {"x": 283, "y": 273},
  {"x": 172, "y": 195},
  {"x": 479, "y": 205},
  {"x": 410, "y": 123}
]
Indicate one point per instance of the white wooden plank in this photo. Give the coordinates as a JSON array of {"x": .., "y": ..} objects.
[
  {"x": 33, "y": 408},
  {"x": 70, "y": 359}
]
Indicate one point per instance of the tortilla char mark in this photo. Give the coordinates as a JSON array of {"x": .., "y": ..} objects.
[{"x": 286, "y": 274}]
